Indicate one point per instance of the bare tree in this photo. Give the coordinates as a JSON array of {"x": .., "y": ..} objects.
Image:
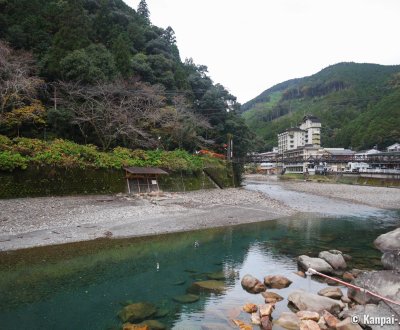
[
  {"x": 18, "y": 83},
  {"x": 115, "y": 111}
]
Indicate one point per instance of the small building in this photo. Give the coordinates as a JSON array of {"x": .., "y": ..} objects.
[
  {"x": 394, "y": 147},
  {"x": 364, "y": 154},
  {"x": 143, "y": 179}
]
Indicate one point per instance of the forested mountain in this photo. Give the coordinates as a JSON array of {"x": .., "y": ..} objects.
[
  {"x": 358, "y": 104},
  {"x": 98, "y": 71}
]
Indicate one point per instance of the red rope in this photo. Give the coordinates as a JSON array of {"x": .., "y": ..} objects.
[{"x": 313, "y": 271}]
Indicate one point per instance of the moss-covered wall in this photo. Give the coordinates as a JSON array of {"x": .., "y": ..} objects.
[
  {"x": 53, "y": 181},
  {"x": 223, "y": 176}
]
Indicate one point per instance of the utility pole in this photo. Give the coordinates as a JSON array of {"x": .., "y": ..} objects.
[{"x": 230, "y": 146}]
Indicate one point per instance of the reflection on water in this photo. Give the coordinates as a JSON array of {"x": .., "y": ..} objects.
[{"x": 85, "y": 285}]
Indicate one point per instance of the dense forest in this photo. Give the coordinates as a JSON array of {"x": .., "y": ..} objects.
[
  {"x": 358, "y": 104},
  {"x": 99, "y": 72}
]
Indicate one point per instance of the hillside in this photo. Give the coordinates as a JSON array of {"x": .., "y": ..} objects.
[
  {"x": 99, "y": 72},
  {"x": 358, "y": 104}
]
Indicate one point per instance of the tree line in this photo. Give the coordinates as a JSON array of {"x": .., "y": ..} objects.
[{"x": 97, "y": 71}]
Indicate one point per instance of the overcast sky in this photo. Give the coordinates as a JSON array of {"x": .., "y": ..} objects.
[{"x": 252, "y": 45}]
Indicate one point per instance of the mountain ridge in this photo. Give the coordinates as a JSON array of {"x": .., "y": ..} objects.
[{"x": 358, "y": 103}]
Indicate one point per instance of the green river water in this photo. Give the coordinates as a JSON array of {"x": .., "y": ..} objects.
[{"x": 85, "y": 285}]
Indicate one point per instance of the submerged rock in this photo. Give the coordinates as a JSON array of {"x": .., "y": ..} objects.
[
  {"x": 252, "y": 284},
  {"x": 389, "y": 241},
  {"x": 277, "y": 281},
  {"x": 130, "y": 326},
  {"x": 137, "y": 312},
  {"x": 186, "y": 298},
  {"x": 154, "y": 325},
  {"x": 271, "y": 297},
  {"x": 318, "y": 264},
  {"x": 330, "y": 292},
  {"x": 209, "y": 286},
  {"x": 336, "y": 260},
  {"x": 242, "y": 325},
  {"x": 306, "y": 301},
  {"x": 288, "y": 320},
  {"x": 216, "y": 276}
]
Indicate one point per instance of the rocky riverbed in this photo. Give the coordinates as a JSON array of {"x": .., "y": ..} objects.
[{"x": 29, "y": 222}]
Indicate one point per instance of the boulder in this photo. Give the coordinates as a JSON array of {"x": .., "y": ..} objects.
[
  {"x": 330, "y": 292},
  {"x": 336, "y": 260},
  {"x": 391, "y": 260},
  {"x": 347, "y": 324},
  {"x": 137, "y": 312},
  {"x": 266, "y": 323},
  {"x": 250, "y": 308},
  {"x": 389, "y": 241},
  {"x": 330, "y": 320},
  {"x": 186, "y": 298},
  {"x": 383, "y": 282},
  {"x": 255, "y": 319},
  {"x": 307, "y": 315},
  {"x": 382, "y": 310},
  {"x": 252, "y": 284},
  {"x": 271, "y": 297},
  {"x": 318, "y": 264},
  {"x": 309, "y": 325},
  {"x": 277, "y": 281},
  {"x": 288, "y": 320},
  {"x": 266, "y": 310},
  {"x": 305, "y": 301}
]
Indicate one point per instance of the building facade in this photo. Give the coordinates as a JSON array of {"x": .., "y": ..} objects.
[{"x": 307, "y": 134}]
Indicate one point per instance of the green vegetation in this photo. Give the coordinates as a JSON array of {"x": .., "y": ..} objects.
[
  {"x": 358, "y": 104},
  {"x": 21, "y": 152},
  {"x": 98, "y": 72}
]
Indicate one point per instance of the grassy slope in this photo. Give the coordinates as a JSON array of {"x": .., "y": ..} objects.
[{"x": 364, "y": 113}]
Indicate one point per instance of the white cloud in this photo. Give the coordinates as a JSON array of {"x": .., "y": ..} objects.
[{"x": 251, "y": 45}]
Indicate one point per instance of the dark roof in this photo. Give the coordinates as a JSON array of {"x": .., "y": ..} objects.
[
  {"x": 294, "y": 129},
  {"x": 144, "y": 170},
  {"x": 314, "y": 119},
  {"x": 343, "y": 152}
]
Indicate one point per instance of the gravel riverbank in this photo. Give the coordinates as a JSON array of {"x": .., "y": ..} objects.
[{"x": 29, "y": 222}]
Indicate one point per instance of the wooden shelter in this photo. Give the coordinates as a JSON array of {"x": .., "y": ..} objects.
[{"x": 143, "y": 179}]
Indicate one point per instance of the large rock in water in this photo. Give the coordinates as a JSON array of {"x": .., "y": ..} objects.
[
  {"x": 391, "y": 260},
  {"x": 389, "y": 241},
  {"x": 305, "y": 301},
  {"x": 137, "y": 312},
  {"x": 370, "y": 311},
  {"x": 318, "y": 264},
  {"x": 331, "y": 292},
  {"x": 252, "y": 284},
  {"x": 336, "y": 260},
  {"x": 384, "y": 282},
  {"x": 277, "y": 281},
  {"x": 288, "y": 320}
]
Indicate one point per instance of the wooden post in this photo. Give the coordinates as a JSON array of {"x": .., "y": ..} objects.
[{"x": 129, "y": 188}]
